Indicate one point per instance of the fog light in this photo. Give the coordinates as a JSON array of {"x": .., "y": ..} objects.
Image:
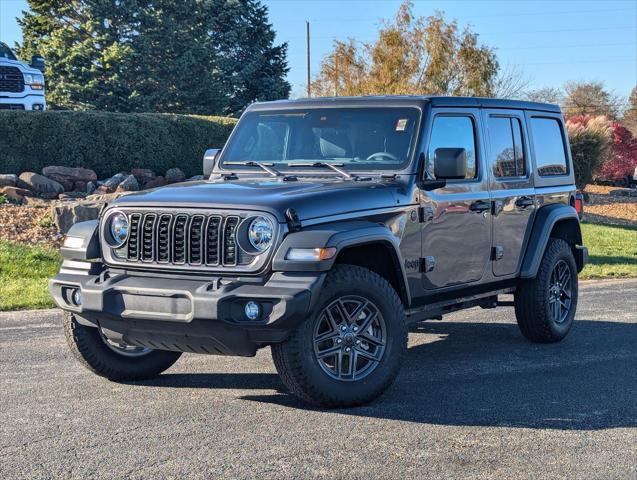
[
  {"x": 77, "y": 297},
  {"x": 38, "y": 106},
  {"x": 252, "y": 310}
]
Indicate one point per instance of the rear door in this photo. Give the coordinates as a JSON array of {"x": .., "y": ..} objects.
[{"x": 511, "y": 185}]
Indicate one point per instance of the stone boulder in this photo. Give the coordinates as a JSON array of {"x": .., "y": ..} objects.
[
  {"x": 90, "y": 187},
  {"x": 195, "y": 178},
  {"x": 16, "y": 194},
  {"x": 8, "y": 180},
  {"x": 69, "y": 212},
  {"x": 623, "y": 192},
  {"x": 155, "y": 183},
  {"x": 110, "y": 185},
  {"x": 39, "y": 184},
  {"x": 129, "y": 184},
  {"x": 174, "y": 175},
  {"x": 69, "y": 173},
  {"x": 66, "y": 214},
  {"x": 143, "y": 175}
]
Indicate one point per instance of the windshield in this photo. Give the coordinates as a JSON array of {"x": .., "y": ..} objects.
[
  {"x": 354, "y": 138},
  {"x": 5, "y": 52}
]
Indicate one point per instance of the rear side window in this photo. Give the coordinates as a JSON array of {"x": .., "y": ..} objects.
[
  {"x": 454, "y": 132},
  {"x": 548, "y": 142},
  {"x": 507, "y": 151}
]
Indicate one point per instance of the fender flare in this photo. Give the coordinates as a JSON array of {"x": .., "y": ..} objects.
[
  {"x": 339, "y": 235},
  {"x": 545, "y": 220},
  {"x": 90, "y": 247}
]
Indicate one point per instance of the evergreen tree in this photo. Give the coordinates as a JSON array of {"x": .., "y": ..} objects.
[{"x": 186, "y": 56}]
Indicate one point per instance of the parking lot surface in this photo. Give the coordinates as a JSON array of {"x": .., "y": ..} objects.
[{"x": 474, "y": 400}]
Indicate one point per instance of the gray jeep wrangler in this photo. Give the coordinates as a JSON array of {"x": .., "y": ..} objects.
[{"x": 325, "y": 227}]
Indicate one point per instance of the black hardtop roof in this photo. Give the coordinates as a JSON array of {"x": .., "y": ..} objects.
[{"x": 404, "y": 100}]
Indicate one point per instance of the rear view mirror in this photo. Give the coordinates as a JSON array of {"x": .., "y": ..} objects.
[
  {"x": 209, "y": 159},
  {"x": 37, "y": 62},
  {"x": 450, "y": 163}
]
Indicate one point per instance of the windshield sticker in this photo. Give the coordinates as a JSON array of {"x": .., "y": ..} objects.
[{"x": 401, "y": 124}]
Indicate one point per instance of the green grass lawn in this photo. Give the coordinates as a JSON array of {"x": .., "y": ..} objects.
[
  {"x": 612, "y": 251},
  {"x": 24, "y": 273},
  {"x": 25, "y": 270}
]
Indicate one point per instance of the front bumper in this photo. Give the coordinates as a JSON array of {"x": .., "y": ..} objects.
[
  {"x": 23, "y": 101},
  {"x": 200, "y": 315}
]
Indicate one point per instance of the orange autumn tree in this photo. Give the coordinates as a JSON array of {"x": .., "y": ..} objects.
[{"x": 412, "y": 55}]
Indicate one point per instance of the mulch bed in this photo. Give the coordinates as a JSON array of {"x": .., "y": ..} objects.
[
  {"x": 608, "y": 209},
  {"x": 28, "y": 224}
]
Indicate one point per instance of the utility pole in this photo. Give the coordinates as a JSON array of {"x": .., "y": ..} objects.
[{"x": 307, "y": 38}]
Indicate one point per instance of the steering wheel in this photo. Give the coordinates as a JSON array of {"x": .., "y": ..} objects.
[{"x": 380, "y": 156}]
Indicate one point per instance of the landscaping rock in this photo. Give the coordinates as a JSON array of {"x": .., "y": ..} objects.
[
  {"x": 110, "y": 185},
  {"x": 155, "y": 183},
  {"x": 49, "y": 195},
  {"x": 195, "y": 178},
  {"x": 79, "y": 186},
  {"x": 8, "y": 180},
  {"x": 39, "y": 183},
  {"x": 72, "y": 195},
  {"x": 67, "y": 214},
  {"x": 15, "y": 193},
  {"x": 129, "y": 184},
  {"x": 143, "y": 175},
  {"x": 174, "y": 175},
  {"x": 70, "y": 173},
  {"x": 90, "y": 187},
  {"x": 623, "y": 192}
]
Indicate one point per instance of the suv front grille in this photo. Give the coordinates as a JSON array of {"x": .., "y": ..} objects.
[
  {"x": 11, "y": 80},
  {"x": 183, "y": 239}
]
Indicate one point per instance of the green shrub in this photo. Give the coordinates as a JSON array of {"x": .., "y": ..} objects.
[
  {"x": 108, "y": 142},
  {"x": 590, "y": 139}
]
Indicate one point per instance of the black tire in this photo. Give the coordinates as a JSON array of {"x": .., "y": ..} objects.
[
  {"x": 90, "y": 350},
  {"x": 533, "y": 297},
  {"x": 299, "y": 367}
]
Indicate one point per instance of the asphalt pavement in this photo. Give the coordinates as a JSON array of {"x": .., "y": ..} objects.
[{"x": 474, "y": 400}]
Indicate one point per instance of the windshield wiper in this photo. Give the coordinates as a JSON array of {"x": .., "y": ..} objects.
[
  {"x": 263, "y": 166},
  {"x": 333, "y": 166}
]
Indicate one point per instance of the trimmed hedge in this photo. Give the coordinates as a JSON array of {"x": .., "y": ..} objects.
[{"x": 108, "y": 142}]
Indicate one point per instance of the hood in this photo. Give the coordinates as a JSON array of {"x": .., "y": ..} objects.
[
  {"x": 313, "y": 198},
  {"x": 24, "y": 67}
]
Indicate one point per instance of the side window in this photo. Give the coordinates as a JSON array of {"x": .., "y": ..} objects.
[
  {"x": 548, "y": 142},
  {"x": 507, "y": 151},
  {"x": 454, "y": 132}
]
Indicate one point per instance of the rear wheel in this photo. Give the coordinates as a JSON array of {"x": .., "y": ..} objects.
[
  {"x": 545, "y": 306},
  {"x": 351, "y": 350},
  {"x": 118, "y": 362}
]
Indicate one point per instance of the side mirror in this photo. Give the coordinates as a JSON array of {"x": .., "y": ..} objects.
[
  {"x": 450, "y": 163},
  {"x": 209, "y": 159},
  {"x": 37, "y": 61}
]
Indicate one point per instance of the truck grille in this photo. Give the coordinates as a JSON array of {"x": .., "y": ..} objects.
[
  {"x": 11, "y": 80},
  {"x": 183, "y": 239}
]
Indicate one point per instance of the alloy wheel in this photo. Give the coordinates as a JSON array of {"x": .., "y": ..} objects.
[{"x": 349, "y": 338}]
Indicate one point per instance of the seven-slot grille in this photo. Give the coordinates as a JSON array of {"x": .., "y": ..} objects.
[
  {"x": 11, "y": 79},
  {"x": 183, "y": 239}
]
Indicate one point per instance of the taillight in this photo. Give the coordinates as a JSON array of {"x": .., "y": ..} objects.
[{"x": 579, "y": 204}]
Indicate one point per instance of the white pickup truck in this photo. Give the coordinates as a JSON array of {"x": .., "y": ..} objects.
[{"x": 21, "y": 85}]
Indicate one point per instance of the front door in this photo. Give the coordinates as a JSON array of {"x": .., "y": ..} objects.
[
  {"x": 456, "y": 233},
  {"x": 511, "y": 187}
]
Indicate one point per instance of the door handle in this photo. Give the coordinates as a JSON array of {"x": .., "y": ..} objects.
[
  {"x": 480, "y": 206},
  {"x": 524, "y": 202}
]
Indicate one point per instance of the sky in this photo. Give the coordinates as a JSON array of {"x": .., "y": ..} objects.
[{"x": 549, "y": 42}]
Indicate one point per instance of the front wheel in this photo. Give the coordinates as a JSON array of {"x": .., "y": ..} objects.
[
  {"x": 351, "y": 350},
  {"x": 117, "y": 362},
  {"x": 545, "y": 306}
]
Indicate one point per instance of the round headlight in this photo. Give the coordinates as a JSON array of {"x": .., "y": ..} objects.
[
  {"x": 261, "y": 233},
  {"x": 118, "y": 225}
]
